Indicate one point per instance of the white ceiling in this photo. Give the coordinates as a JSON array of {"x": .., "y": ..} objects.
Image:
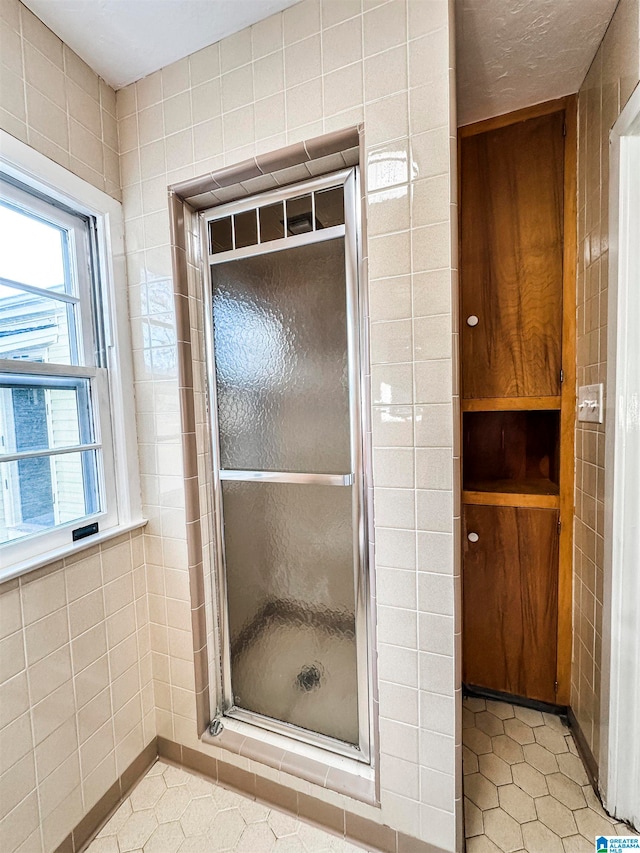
[
  {"x": 124, "y": 40},
  {"x": 514, "y": 53},
  {"x": 510, "y": 53}
]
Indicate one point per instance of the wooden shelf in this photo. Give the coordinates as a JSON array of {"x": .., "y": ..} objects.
[
  {"x": 530, "y": 486},
  {"x": 511, "y": 404},
  {"x": 531, "y": 500},
  {"x": 510, "y": 458}
]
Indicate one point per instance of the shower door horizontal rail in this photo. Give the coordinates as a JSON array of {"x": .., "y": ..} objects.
[
  {"x": 288, "y": 477},
  {"x": 290, "y": 242}
]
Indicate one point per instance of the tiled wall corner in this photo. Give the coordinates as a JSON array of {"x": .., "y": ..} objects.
[
  {"x": 612, "y": 77},
  {"x": 76, "y": 692},
  {"x": 51, "y": 100},
  {"x": 76, "y": 687}
]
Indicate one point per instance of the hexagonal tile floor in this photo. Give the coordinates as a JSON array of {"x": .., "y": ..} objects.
[
  {"x": 525, "y": 785},
  {"x": 174, "y": 811}
]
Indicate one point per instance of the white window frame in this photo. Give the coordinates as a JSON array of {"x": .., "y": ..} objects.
[{"x": 112, "y": 385}]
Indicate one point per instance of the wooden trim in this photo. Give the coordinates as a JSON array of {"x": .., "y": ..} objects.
[
  {"x": 568, "y": 408},
  {"x": 511, "y": 404},
  {"x": 504, "y": 499},
  {"x": 535, "y": 111}
]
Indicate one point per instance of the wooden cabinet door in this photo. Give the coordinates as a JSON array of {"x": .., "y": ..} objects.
[
  {"x": 511, "y": 224},
  {"x": 510, "y": 600}
]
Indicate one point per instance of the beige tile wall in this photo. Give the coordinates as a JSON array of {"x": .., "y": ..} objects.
[
  {"x": 611, "y": 79},
  {"x": 317, "y": 67},
  {"x": 53, "y": 101},
  {"x": 76, "y": 698}
]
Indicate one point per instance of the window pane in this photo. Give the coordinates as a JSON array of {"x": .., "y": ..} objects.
[
  {"x": 32, "y": 251},
  {"x": 35, "y": 328},
  {"x": 246, "y": 225},
  {"x": 46, "y": 491},
  {"x": 299, "y": 215},
  {"x": 330, "y": 207},
  {"x": 221, "y": 235},
  {"x": 40, "y": 418},
  {"x": 272, "y": 222},
  {"x": 48, "y": 321}
]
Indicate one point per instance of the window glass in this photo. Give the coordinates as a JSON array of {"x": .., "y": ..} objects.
[
  {"x": 221, "y": 235},
  {"x": 246, "y": 228},
  {"x": 42, "y": 492},
  {"x": 271, "y": 222},
  {"x": 330, "y": 207},
  {"x": 35, "y": 327},
  {"x": 51, "y": 466},
  {"x": 299, "y": 215},
  {"x": 33, "y": 252},
  {"x": 304, "y": 213},
  {"x": 36, "y": 417}
]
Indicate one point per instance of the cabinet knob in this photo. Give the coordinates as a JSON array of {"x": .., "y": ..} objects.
[
  {"x": 472, "y": 320},
  {"x": 473, "y": 537}
]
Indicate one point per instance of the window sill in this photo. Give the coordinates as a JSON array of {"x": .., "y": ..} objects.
[{"x": 71, "y": 549}]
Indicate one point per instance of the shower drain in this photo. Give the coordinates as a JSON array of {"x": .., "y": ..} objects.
[{"x": 309, "y": 678}]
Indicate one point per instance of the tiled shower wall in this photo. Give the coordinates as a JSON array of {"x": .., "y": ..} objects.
[
  {"x": 76, "y": 700},
  {"x": 318, "y": 67},
  {"x": 611, "y": 79}
]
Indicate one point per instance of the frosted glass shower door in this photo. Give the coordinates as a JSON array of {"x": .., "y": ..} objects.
[{"x": 289, "y": 486}]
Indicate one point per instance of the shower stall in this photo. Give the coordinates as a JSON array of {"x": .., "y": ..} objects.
[{"x": 285, "y": 355}]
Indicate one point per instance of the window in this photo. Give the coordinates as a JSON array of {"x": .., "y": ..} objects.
[
  {"x": 290, "y": 217},
  {"x": 61, "y": 409}
]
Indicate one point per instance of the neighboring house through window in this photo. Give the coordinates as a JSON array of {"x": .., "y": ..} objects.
[{"x": 58, "y": 450}]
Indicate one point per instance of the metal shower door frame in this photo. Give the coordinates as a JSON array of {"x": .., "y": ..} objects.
[{"x": 356, "y": 349}]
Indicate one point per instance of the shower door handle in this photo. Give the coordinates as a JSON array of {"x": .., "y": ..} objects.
[{"x": 288, "y": 477}]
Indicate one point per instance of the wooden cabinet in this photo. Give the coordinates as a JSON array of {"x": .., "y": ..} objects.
[
  {"x": 517, "y": 301},
  {"x": 511, "y": 224},
  {"x": 510, "y": 579}
]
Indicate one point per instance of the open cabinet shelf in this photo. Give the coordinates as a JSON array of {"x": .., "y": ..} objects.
[{"x": 511, "y": 453}]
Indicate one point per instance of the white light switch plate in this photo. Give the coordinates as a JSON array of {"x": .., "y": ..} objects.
[{"x": 590, "y": 403}]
